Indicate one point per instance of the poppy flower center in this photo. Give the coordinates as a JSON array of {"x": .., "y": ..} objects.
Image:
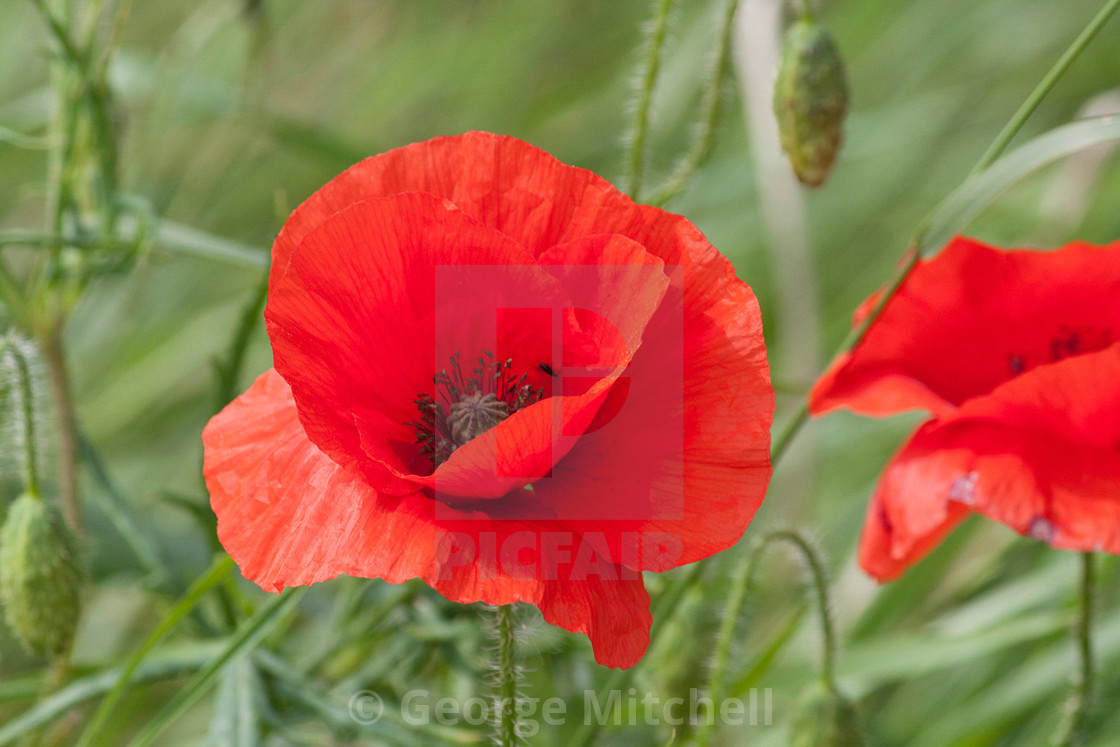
[{"x": 464, "y": 408}]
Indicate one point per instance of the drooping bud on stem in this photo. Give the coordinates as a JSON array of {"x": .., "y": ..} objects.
[
  {"x": 40, "y": 577},
  {"x": 811, "y": 100}
]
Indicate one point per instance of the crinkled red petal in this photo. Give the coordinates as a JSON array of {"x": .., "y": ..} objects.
[
  {"x": 289, "y": 515},
  {"x": 972, "y": 318},
  {"x": 1040, "y": 453}
]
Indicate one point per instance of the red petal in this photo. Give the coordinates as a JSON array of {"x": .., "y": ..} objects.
[
  {"x": 972, "y": 318},
  {"x": 289, "y": 515},
  {"x": 501, "y": 182},
  {"x": 685, "y": 458},
  {"x": 354, "y": 320},
  {"x": 910, "y": 511},
  {"x": 1040, "y": 454}
]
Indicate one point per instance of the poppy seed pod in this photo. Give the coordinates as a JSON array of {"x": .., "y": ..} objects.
[
  {"x": 825, "y": 718},
  {"x": 811, "y": 101},
  {"x": 39, "y": 576}
]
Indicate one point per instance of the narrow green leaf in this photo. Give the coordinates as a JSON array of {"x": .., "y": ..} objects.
[
  {"x": 52, "y": 708},
  {"x": 114, "y": 506},
  {"x": 236, "y": 722},
  {"x": 244, "y": 640},
  {"x": 194, "y": 242},
  {"x": 339, "y": 716},
  {"x": 909, "y": 656},
  {"x": 220, "y": 568},
  {"x": 980, "y": 190}
]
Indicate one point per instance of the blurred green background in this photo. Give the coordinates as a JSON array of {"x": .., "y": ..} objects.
[{"x": 227, "y": 114}]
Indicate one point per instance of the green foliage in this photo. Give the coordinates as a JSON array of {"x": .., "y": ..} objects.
[{"x": 824, "y": 718}]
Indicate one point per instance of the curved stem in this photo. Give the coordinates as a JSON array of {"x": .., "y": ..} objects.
[
  {"x": 505, "y": 706},
  {"x": 640, "y": 126},
  {"x": 704, "y": 139},
  {"x": 26, "y": 393},
  {"x": 741, "y": 581},
  {"x": 819, "y": 579}
]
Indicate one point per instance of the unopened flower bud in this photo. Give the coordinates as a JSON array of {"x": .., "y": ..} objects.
[
  {"x": 39, "y": 576},
  {"x": 825, "y": 718},
  {"x": 811, "y": 100}
]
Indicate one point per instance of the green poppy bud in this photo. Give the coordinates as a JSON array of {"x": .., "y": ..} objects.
[
  {"x": 810, "y": 101},
  {"x": 825, "y": 718},
  {"x": 39, "y": 576}
]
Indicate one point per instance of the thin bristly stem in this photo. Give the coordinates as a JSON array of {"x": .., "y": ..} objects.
[
  {"x": 704, "y": 139},
  {"x": 25, "y": 391},
  {"x": 506, "y": 676},
  {"x": 640, "y": 125},
  {"x": 819, "y": 580},
  {"x": 741, "y": 581},
  {"x": 785, "y": 436},
  {"x": 1072, "y": 729},
  {"x": 728, "y": 625}
]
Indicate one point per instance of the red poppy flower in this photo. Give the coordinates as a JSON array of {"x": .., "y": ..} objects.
[
  {"x": 498, "y": 374},
  {"x": 1017, "y": 355}
]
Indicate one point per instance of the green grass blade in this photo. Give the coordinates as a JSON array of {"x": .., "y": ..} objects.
[
  {"x": 51, "y": 709},
  {"x": 980, "y": 190},
  {"x": 245, "y": 639},
  {"x": 218, "y": 571}
]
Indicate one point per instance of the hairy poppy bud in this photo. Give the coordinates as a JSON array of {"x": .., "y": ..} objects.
[
  {"x": 825, "y": 718},
  {"x": 810, "y": 101},
  {"x": 39, "y": 576}
]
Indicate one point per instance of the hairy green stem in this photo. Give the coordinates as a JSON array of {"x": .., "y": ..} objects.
[
  {"x": 25, "y": 391},
  {"x": 712, "y": 107},
  {"x": 506, "y": 675},
  {"x": 640, "y": 126},
  {"x": 741, "y": 581},
  {"x": 781, "y": 442}
]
